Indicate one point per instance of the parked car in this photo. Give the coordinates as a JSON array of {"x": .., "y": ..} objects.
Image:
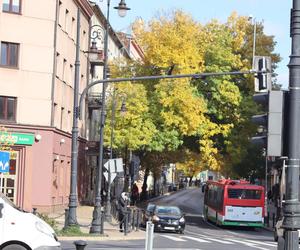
[
  {"x": 21, "y": 230},
  {"x": 168, "y": 218},
  {"x": 278, "y": 230},
  {"x": 148, "y": 214}
]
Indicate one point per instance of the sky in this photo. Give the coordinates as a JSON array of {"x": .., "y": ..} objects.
[{"x": 275, "y": 14}]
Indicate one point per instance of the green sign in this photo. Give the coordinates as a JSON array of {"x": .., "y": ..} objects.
[{"x": 17, "y": 138}]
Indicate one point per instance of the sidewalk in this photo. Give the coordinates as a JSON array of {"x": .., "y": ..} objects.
[{"x": 84, "y": 218}]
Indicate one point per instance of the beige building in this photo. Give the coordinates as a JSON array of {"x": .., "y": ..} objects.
[
  {"x": 38, "y": 44},
  {"x": 37, "y": 69}
]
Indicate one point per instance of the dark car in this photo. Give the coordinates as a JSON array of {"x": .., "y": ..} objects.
[
  {"x": 168, "y": 218},
  {"x": 148, "y": 213}
]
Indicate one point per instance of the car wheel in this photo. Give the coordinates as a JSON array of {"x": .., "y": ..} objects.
[
  {"x": 181, "y": 232},
  {"x": 14, "y": 247}
]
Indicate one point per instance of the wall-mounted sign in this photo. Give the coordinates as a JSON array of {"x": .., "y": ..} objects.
[
  {"x": 17, "y": 138},
  {"x": 4, "y": 162}
]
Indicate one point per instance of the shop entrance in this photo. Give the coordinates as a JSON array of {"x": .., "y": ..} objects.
[{"x": 8, "y": 181}]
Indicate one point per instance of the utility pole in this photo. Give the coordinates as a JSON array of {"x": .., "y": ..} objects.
[{"x": 291, "y": 206}]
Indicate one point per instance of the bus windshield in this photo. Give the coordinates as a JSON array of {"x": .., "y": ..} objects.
[{"x": 244, "y": 194}]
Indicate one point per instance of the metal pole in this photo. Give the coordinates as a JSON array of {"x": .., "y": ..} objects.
[
  {"x": 149, "y": 235},
  {"x": 291, "y": 206},
  {"x": 72, "y": 219},
  {"x": 266, "y": 183},
  {"x": 97, "y": 215},
  {"x": 254, "y": 42},
  {"x": 108, "y": 204}
]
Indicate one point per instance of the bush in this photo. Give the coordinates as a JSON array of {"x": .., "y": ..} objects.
[{"x": 71, "y": 231}]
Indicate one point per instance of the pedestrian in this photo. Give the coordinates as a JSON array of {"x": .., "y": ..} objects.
[
  {"x": 122, "y": 208},
  {"x": 134, "y": 194}
]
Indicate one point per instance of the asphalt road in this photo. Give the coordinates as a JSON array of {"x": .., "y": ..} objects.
[{"x": 199, "y": 235}]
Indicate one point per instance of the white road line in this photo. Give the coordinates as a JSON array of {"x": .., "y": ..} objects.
[
  {"x": 197, "y": 239},
  {"x": 219, "y": 241},
  {"x": 271, "y": 244},
  {"x": 210, "y": 238},
  {"x": 249, "y": 244},
  {"x": 172, "y": 238}
]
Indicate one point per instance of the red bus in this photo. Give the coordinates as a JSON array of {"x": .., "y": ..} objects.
[{"x": 234, "y": 203}]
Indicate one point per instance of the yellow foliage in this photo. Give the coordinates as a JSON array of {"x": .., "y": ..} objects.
[
  {"x": 172, "y": 41},
  {"x": 181, "y": 108}
]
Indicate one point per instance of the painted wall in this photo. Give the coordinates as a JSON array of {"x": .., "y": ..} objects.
[{"x": 31, "y": 82}]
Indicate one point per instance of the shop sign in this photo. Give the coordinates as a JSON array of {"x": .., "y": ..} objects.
[{"x": 17, "y": 138}]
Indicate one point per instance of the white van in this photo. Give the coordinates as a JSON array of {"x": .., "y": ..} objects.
[{"x": 21, "y": 230}]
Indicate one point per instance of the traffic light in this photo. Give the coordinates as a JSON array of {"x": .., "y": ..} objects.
[
  {"x": 270, "y": 124},
  {"x": 263, "y": 77}
]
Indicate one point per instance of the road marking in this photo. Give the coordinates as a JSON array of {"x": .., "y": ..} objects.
[
  {"x": 196, "y": 239},
  {"x": 249, "y": 244},
  {"x": 210, "y": 238},
  {"x": 219, "y": 241},
  {"x": 172, "y": 238},
  {"x": 271, "y": 244}
]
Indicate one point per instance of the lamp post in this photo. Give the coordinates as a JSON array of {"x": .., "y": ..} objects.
[
  {"x": 97, "y": 221},
  {"x": 71, "y": 218},
  {"x": 253, "y": 20},
  {"x": 112, "y": 124},
  {"x": 291, "y": 206}
]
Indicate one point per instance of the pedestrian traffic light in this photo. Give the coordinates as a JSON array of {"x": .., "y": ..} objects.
[
  {"x": 263, "y": 76},
  {"x": 270, "y": 124}
]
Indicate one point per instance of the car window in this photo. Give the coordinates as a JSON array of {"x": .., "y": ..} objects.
[
  {"x": 168, "y": 211},
  {"x": 150, "y": 207}
]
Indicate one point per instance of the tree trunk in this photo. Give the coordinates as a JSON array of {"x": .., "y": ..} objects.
[{"x": 144, "y": 194}]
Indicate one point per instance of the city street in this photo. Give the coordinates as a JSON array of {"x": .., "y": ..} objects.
[{"x": 198, "y": 233}]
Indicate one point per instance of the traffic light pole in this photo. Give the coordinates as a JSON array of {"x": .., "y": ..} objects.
[{"x": 291, "y": 206}]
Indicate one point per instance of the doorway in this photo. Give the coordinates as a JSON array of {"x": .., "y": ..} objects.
[{"x": 8, "y": 181}]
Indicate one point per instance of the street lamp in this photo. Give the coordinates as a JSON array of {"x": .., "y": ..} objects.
[
  {"x": 112, "y": 124},
  {"x": 97, "y": 222},
  {"x": 253, "y": 20}
]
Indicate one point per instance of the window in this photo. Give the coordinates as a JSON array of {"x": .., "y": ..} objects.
[
  {"x": 8, "y": 108},
  {"x": 9, "y": 54},
  {"x": 247, "y": 194},
  {"x": 13, "y": 6}
]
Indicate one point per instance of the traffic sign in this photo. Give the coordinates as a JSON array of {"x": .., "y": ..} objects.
[
  {"x": 114, "y": 165},
  {"x": 4, "y": 162},
  {"x": 112, "y": 176}
]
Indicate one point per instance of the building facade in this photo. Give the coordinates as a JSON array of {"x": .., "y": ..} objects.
[{"x": 36, "y": 97}]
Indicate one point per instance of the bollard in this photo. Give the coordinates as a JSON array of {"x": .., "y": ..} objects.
[
  {"x": 102, "y": 221},
  {"x": 34, "y": 210},
  {"x": 133, "y": 219},
  {"x": 80, "y": 244},
  {"x": 125, "y": 222},
  {"x": 138, "y": 220},
  {"x": 66, "y": 217},
  {"x": 149, "y": 235}
]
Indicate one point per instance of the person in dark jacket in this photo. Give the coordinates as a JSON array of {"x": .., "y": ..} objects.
[{"x": 123, "y": 202}]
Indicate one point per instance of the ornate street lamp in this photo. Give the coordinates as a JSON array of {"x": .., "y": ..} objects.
[{"x": 97, "y": 222}]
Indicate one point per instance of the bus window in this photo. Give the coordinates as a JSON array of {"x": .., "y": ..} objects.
[{"x": 248, "y": 194}]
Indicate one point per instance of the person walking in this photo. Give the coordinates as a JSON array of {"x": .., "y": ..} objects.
[{"x": 122, "y": 209}]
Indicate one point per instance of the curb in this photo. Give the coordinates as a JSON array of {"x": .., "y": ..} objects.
[{"x": 104, "y": 237}]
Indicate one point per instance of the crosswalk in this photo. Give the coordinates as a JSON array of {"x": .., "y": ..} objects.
[{"x": 207, "y": 239}]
